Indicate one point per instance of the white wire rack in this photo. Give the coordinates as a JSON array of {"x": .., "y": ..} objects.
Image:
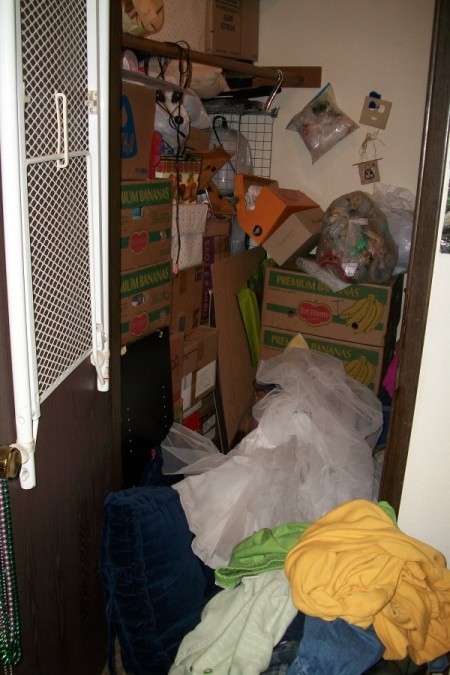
[
  {"x": 257, "y": 129},
  {"x": 52, "y": 88}
]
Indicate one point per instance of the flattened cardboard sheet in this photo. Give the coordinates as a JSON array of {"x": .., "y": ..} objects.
[{"x": 235, "y": 371}]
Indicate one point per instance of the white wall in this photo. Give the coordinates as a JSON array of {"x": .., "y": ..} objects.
[
  {"x": 364, "y": 46},
  {"x": 425, "y": 503}
]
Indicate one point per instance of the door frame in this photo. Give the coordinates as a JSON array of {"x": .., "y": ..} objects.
[
  {"x": 423, "y": 245},
  {"x": 426, "y": 230}
]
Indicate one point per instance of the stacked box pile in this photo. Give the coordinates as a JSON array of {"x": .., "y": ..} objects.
[{"x": 358, "y": 324}]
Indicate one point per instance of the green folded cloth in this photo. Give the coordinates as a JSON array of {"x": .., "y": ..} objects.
[{"x": 265, "y": 550}]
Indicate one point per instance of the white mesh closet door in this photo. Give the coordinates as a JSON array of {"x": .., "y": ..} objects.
[{"x": 54, "y": 60}]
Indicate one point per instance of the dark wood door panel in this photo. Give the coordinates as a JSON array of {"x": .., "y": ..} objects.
[{"x": 57, "y": 528}]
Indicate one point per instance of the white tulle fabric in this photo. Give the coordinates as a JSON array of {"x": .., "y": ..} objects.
[{"x": 311, "y": 451}]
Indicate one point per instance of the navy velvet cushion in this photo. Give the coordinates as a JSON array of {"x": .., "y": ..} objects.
[{"x": 154, "y": 585}]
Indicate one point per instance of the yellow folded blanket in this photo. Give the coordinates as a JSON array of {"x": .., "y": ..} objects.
[{"x": 355, "y": 563}]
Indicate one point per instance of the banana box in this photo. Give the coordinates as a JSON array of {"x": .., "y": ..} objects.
[
  {"x": 363, "y": 313},
  {"x": 364, "y": 363},
  {"x": 144, "y": 300}
]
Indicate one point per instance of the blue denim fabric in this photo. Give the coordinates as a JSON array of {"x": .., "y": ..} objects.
[
  {"x": 438, "y": 665},
  {"x": 277, "y": 669},
  {"x": 335, "y": 648},
  {"x": 286, "y": 650}
]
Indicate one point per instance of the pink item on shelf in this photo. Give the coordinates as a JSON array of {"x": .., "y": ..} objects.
[{"x": 389, "y": 378}]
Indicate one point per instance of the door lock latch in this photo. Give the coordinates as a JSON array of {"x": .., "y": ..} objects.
[{"x": 10, "y": 461}]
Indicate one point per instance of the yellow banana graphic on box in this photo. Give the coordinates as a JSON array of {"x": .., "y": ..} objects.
[
  {"x": 364, "y": 315},
  {"x": 361, "y": 370}
]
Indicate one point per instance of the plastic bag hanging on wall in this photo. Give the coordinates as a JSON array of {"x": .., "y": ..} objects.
[{"x": 322, "y": 123}]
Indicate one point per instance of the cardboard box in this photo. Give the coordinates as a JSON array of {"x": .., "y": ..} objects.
[
  {"x": 249, "y": 30},
  {"x": 138, "y": 117},
  {"x": 202, "y": 418},
  {"x": 145, "y": 300},
  {"x": 367, "y": 364},
  {"x": 213, "y": 159},
  {"x": 202, "y": 379},
  {"x": 236, "y": 373},
  {"x": 232, "y": 28},
  {"x": 214, "y": 248},
  {"x": 271, "y": 207},
  {"x": 176, "y": 362},
  {"x": 218, "y": 226},
  {"x": 146, "y": 223},
  {"x": 188, "y": 227},
  {"x": 298, "y": 235},
  {"x": 178, "y": 410},
  {"x": 363, "y": 313},
  {"x": 220, "y": 204},
  {"x": 189, "y": 363},
  {"x": 187, "y": 286},
  {"x": 223, "y": 28},
  {"x": 198, "y": 139}
]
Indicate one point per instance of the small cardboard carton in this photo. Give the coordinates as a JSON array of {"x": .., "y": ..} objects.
[
  {"x": 232, "y": 28},
  {"x": 146, "y": 223},
  {"x": 212, "y": 160},
  {"x": 187, "y": 286},
  {"x": 138, "y": 116},
  {"x": 298, "y": 235},
  {"x": 145, "y": 300},
  {"x": 365, "y": 363},
  {"x": 218, "y": 225},
  {"x": 202, "y": 418},
  {"x": 202, "y": 379},
  {"x": 249, "y": 30},
  {"x": 189, "y": 362},
  {"x": 271, "y": 207},
  {"x": 223, "y": 28},
  {"x": 219, "y": 202},
  {"x": 363, "y": 313},
  {"x": 198, "y": 139}
]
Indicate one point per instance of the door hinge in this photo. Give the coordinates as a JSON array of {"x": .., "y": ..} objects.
[{"x": 92, "y": 102}]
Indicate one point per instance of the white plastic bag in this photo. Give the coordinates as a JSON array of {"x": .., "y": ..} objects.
[
  {"x": 355, "y": 242},
  {"x": 311, "y": 451},
  {"x": 185, "y": 451},
  {"x": 398, "y": 206},
  {"x": 322, "y": 124}
]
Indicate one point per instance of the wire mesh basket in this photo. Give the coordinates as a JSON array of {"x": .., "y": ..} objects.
[{"x": 254, "y": 128}]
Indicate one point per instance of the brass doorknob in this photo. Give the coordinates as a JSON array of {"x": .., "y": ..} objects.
[{"x": 10, "y": 461}]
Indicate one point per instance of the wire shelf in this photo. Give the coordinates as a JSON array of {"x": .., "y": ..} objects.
[{"x": 257, "y": 129}]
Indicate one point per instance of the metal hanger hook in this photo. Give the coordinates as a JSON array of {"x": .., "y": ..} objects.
[{"x": 275, "y": 91}]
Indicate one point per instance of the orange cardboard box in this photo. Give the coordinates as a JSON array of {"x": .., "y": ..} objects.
[{"x": 271, "y": 208}]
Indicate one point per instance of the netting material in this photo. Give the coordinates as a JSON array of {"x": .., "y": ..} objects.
[{"x": 54, "y": 54}]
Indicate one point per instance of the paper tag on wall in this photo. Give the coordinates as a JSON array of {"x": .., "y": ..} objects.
[{"x": 375, "y": 112}]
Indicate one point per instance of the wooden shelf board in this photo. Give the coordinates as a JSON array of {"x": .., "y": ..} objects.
[{"x": 293, "y": 76}]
